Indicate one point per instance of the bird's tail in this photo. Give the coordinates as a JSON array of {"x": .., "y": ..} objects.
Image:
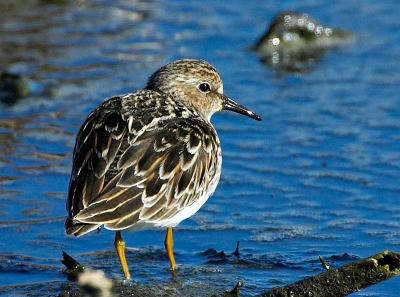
[{"x": 78, "y": 229}]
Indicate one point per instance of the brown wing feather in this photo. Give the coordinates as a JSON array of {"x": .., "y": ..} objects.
[
  {"x": 96, "y": 147},
  {"x": 167, "y": 175}
]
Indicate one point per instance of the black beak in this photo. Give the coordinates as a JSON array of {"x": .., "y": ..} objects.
[{"x": 229, "y": 104}]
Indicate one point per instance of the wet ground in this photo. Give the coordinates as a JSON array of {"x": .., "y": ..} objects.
[{"x": 319, "y": 176}]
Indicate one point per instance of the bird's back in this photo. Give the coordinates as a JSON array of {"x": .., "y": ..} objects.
[{"x": 142, "y": 157}]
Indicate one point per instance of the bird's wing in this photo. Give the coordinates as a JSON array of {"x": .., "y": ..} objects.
[
  {"x": 97, "y": 145},
  {"x": 99, "y": 141},
  {"x": 156, "y": 173}
]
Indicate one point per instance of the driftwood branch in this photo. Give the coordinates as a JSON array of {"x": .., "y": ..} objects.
[
  {"x": 332, "y": 283},
  {"x": 73, "y": 268},
  {"x": 345, "y": 280}
]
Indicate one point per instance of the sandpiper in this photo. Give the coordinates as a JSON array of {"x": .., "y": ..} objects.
[{"x": 151, "y": 158}]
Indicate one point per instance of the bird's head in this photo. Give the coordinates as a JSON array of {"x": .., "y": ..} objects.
[{"x": 197, "y": 83}]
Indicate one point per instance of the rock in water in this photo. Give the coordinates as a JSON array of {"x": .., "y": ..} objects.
[
  {"x": 12, "y": 87},
  {"x": 295, "y": 40}
]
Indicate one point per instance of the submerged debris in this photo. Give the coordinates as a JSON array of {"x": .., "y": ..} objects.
[
  {"x": 73, "y": 267},
  {"x": 294, "y": 40},
  {"x": 235, "y": 291},
  {"x": 237, "y": 250},
  {"x": 324, "y": 263},
  {"x": 95, "y": 283},
  {"x": 13, "y": 87},
  {"x": 215, "y": 257}
]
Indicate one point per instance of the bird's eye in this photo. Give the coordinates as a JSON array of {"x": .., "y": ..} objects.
[{"x": 204, "y": 87}]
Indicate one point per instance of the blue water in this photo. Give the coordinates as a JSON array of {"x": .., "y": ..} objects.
[{"x": 319, "y": 176}]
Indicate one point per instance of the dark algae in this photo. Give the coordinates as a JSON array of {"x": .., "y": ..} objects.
[{"x": 345, "y": 280}]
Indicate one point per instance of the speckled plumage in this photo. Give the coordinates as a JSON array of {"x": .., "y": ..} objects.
[{"x": 140, "y": 157}]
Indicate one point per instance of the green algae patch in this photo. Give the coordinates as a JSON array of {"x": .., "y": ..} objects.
[{"x": 345, "y": 280}]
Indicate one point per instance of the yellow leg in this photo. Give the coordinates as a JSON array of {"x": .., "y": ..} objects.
[
  {"x": 120, "y": 248},
  {"x": 169, "y": 247}
]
